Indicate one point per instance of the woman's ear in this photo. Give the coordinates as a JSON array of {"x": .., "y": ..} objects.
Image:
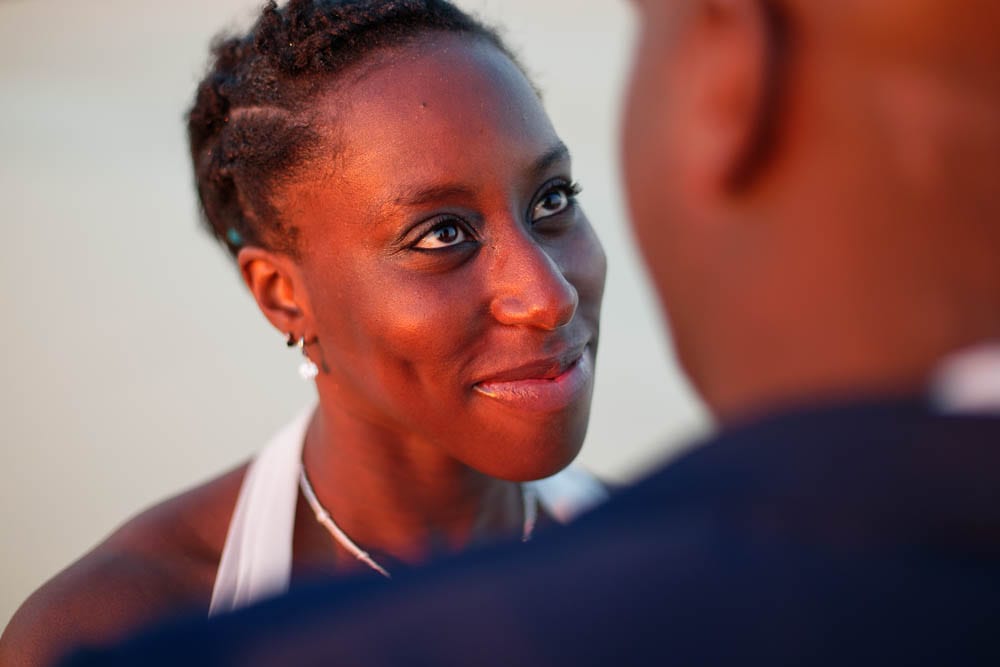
[
  {"x": 276, "y": 285},
  {"x": 727, "y": 80}
]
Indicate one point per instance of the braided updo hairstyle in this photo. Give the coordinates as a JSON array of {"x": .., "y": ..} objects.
[{"x": 250, "y": 126}]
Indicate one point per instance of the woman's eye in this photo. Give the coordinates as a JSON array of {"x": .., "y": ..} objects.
[
  {"x": 443, "y": 236},
  {"x": 553, "y": 202}
]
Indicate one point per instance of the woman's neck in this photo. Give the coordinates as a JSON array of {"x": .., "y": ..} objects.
[{"x": 401, "y": 499}]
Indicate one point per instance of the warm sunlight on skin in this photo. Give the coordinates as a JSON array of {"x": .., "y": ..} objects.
[{"x": 453, "y": 281}]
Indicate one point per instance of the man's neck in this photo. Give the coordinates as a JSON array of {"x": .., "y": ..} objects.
[{"x": 834, "y": 359}]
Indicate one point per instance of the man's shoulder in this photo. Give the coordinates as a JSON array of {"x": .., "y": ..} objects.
[{"x": 879, "y": 472}]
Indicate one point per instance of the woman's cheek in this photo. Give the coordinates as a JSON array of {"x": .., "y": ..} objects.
[{"x": 424, "y": 317}]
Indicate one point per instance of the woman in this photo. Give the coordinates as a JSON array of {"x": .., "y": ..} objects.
[{"x": 402, "y": 211}]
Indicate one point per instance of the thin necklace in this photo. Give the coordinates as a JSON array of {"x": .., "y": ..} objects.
[{"x": 528, "y": 496}]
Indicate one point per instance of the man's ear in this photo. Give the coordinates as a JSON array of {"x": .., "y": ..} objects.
[
  {"x": 727, "y": 79},
  {"x": 276, "y": 285}
]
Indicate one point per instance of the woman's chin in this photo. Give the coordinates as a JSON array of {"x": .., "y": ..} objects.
[
  {"x": 523, "y": 445},
  {"x": 529, "y": 461}
]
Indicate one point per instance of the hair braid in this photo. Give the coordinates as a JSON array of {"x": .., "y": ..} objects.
[{"x": 249, "y": 127}]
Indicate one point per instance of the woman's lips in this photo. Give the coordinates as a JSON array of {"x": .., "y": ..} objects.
[{"x": 544, "y": 388}]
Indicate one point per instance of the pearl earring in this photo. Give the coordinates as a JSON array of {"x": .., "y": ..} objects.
[{"x": 307, "y": 369}]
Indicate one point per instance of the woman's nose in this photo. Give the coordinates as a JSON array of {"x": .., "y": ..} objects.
[{"x": 531, "y": 290}]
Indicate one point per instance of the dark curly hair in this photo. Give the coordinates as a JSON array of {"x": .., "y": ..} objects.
[{"x": 249, "y": 127}]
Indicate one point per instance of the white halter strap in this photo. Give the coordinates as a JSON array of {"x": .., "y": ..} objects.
[{"x": 257, "y": 557}]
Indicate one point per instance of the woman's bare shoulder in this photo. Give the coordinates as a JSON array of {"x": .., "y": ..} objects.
[{"x": 161, "y": 562}]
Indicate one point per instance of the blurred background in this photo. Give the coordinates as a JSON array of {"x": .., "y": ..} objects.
[{"x": 134, "y": 362}]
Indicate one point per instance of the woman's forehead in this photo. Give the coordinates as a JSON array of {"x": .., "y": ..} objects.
[
  {"x": 445, "y": 120},
  {"x": 446, "y": 100}
]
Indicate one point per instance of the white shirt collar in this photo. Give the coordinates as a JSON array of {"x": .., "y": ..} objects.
[{"x": 968, "y": 381}]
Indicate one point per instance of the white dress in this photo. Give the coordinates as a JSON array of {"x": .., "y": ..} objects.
[{"x": 257, "y": 557}]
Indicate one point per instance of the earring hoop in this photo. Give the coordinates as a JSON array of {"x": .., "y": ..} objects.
[{"x": 307, "y": 369}]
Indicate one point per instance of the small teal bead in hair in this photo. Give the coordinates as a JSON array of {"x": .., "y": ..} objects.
[{"x": 234, "y": 237}]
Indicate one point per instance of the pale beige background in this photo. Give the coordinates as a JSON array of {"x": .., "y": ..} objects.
[{"x": 134, "y": 363}]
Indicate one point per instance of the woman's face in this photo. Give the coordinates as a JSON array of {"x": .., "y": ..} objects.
[{"x": 454, "y": 285}]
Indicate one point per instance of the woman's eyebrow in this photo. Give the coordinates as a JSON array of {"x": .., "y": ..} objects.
[
  {"x": 558, "y": 153},
  {"x": 433, "y": 193},
  {"x": 427, "y": 195}
]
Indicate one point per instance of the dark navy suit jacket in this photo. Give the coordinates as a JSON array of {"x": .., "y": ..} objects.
[{"x": 861, "y": 534}]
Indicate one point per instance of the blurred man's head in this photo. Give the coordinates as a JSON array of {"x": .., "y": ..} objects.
[{"x": 813, "y": 185}]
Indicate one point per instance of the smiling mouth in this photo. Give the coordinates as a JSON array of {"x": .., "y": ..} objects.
[{"x": 545, "y": 386}]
